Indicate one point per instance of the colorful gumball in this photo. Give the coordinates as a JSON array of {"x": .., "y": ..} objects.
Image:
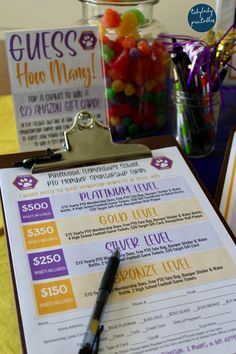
[
  {"x": 116, "y": 46},
  {"x": 124, "y": 109},
  {"x": 118, "y": 85},
  {"x": 134, "y": 129},
  {"x": 127, "y": 121},
  {"x": 108, "y": 53},
  {"x": 134, "y": 53},
  {"x": 121, "y": 63},
  {"x": 144, "y": 47},
  {"x": 128, "y": 42},
  {"x": 110, "y": 93},
  {"x": 138, "y": 119},
  {"x": 115, "y": 101},
  {"x": 149, "y": 85},
  {"x": 139, "y": 15},
  {"x": 114, "y": 121},
  {"x": 121, "y": 131},
  {"x": 111, "y": 19},
  {"x": 129, "y": 89},
  {"x": 147, "y": 96},
  {"x": 113, "y": 111},
  {"x": 128, "y": 25}
]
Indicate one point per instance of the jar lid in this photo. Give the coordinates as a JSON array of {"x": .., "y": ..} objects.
[{"x": 120, "y": 2}]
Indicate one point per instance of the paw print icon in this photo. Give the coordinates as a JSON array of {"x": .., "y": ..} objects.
[
  {"x": 161, "y": 163},
  {"x": 25, "y": 182},
  {"x": 87, "y": 40}
]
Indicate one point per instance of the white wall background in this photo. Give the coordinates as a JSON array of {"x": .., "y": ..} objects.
[
  {"x": 43, "y": 14},
  {"x": 29, "y": 14}
]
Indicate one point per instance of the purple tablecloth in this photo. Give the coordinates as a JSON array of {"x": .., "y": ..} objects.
[{"x": 209, "y": 167}]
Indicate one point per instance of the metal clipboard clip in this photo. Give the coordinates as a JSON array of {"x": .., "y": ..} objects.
[{"x": 89, "y": 142}]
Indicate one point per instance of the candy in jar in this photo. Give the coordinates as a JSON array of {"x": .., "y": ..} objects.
[{"x": 136, "y": 66}]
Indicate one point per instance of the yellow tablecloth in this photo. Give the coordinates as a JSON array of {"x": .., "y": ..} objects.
[{"x": 9, "y": 333}]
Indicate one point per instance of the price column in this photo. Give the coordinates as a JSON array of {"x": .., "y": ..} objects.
[{"x": 56, "y": 295}]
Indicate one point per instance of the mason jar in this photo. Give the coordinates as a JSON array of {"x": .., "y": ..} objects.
[
  {"x": 135, "y": 63},
  {"x": 195, "y": 121}
]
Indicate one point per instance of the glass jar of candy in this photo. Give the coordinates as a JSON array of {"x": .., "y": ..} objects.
[{"x": 136, "y": 65}]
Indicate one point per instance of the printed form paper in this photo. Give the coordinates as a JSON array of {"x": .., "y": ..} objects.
[{"x": 175, "y": 290}]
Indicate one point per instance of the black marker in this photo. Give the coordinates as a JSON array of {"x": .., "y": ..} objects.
[
  {"x": 182, "y": 63},
  {"x": 91, "y": 337},
  {"x": 29, "y": 162}
]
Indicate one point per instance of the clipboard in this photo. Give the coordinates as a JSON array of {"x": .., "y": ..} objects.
[{"x": 143, "y": 152}]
